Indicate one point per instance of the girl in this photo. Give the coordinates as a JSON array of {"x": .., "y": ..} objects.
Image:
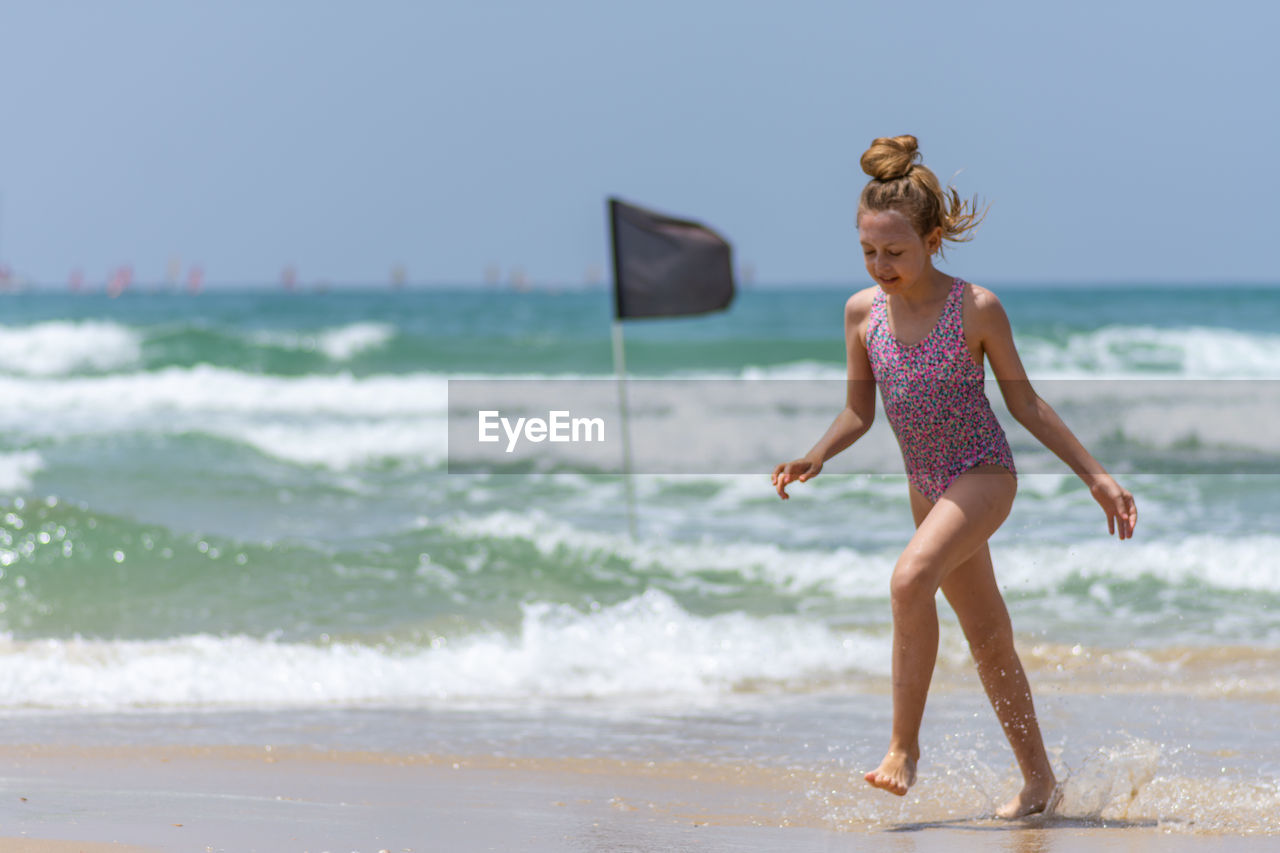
[{"x": 921, "y": 336}]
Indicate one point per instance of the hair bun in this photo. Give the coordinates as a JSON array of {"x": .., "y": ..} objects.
[{"x": 890, "y": 158}]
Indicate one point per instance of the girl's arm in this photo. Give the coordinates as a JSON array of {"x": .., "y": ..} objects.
[
  {"x": 860, "y": 401},
  {"x": 996, "y": 337}
]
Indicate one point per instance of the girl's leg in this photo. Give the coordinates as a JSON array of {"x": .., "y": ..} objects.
[
  {"x": 971, "y": 590},
  {"x": 951, "y": 531}
]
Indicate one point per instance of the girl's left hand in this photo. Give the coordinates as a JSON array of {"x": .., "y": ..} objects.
[
  {"x": 1117, "y": 503},
  {"x": 802, "y": 470}
]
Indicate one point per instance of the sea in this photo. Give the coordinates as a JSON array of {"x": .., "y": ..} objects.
[{"x": 236, "y": 517}]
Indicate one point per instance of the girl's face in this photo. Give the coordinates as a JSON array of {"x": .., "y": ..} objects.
[{"x": 896, "y": 256}]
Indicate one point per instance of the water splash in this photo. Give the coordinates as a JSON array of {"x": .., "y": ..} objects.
[{"x": 1109, "y": 781}]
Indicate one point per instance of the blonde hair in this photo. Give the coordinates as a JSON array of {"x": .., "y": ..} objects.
[{"x": 899, "y": 181}]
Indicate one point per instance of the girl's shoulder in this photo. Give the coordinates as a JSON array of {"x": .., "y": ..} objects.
[
  {"x": 858, "y": 307},
  {"x": 983, "y": 307},
  {"x": 857, "y": 311},
  {"x": 981, "y": 299}
]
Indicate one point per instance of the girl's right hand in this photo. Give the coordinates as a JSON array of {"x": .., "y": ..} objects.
[{"x": 802, "y": 470}]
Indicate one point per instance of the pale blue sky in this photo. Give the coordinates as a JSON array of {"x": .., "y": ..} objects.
[{"x": 1115, "y": 141}]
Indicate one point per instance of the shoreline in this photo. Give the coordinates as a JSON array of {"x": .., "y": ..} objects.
[{"x": 246, "y": 798}]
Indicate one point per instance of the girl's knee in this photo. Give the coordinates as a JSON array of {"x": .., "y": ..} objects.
[{"x": 913, "y": 580}]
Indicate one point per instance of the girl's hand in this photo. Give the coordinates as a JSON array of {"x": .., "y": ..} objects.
[
  {"x": 802, "y": 470},
  {"x": 1118, "y": 504}
]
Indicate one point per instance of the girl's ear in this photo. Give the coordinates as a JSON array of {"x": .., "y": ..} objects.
[{"x": 933, "y": 242}]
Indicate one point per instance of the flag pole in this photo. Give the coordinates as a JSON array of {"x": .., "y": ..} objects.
[
  {"x": 620, "y": 369},
  {"x": 674, "y": 267}
]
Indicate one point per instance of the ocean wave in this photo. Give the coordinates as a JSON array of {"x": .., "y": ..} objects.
[
  {"x": 334, "y": 421},
  {"x": 1241, "y": 563},
  {"x": 646, "y": 645},
  {"x": 68, "y": 348},
  {"x": 1110, "y": 352},
  {"x": 206, "y": 389},
  {"x": 845, "y": 573},
  {"x": 17, "y": 468},
  {"x": 294, "y": 344},
  {"x": 339, "y": 344},
  {"x": 59, "y": 348},
  {"x": 737, "y": 426},
  {"x": 1224, "y": 563},
  {"x": 1191, "y": 352},
  {"x": 346, "y": 445},
  {"x": 1181, "y": 419}
]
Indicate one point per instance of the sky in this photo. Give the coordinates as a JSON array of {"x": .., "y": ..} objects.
[{"x": 1114, "y": 141}]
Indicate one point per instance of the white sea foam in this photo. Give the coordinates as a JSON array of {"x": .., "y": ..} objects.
[
  {"x": 16, "y": 470},
  {"x": 1226, "y": 415},
  {"x": 143, "y": 397},
  {"x": 799, "y": 370},
  {"x": 646, "y": 646},
  {"x": 1175, "y": 418},
  {"x": 342, "y": 446},
  {"x": 1125, "y": 351},
  {"x": 843, "y": 572},
  {"x": 338, "y": 421},
  {"x": 342, "y": 421},
  {"x": 1242, "y": 562},
  {"x": 341, "y": 343},
  {"x": 1110, "y": 352},
  {"x": 59, "y": 347}
]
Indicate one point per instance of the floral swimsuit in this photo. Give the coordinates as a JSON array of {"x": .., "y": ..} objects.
[{"x": 933, "y": 394}]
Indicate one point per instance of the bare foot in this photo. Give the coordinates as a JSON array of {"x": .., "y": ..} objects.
[
  {"x": 1034, "y": 798},
  {"x": 895, "y": 774}
]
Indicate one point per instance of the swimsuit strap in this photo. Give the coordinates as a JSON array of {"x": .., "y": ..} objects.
[
  {"x": 879, "y": 309},
  {"x": 951, "y": 321}
]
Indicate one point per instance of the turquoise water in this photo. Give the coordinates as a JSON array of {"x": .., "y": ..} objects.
[{"x": 197, "y": 486}]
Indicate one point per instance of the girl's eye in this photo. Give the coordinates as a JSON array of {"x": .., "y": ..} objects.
[{"x": 894, "y": 254}]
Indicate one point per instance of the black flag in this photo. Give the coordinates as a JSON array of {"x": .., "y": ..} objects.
[{"x": 665, "y": 267}]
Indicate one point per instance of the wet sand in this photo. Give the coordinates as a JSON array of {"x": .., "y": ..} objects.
[
  {"x": 295, "y": 799},
  {"x": 1150, "y": 760}
]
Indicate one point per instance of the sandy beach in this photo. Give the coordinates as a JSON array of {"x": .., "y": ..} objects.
[{"x": 295, "y": 798}]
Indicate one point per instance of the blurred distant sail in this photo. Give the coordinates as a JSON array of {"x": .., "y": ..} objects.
[
  {"x": 120, "y": 281},
  {"x": 195, "y": 279},
  {"x": 667, "y": 267}
]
